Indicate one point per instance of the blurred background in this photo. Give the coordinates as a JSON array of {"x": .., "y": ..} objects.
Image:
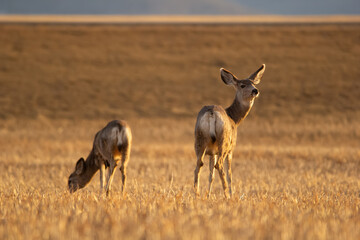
[
  {"x": 168, "y": 71},
  {"x": 147, "y": 70}
]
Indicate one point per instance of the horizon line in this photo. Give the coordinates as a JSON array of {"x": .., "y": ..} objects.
[{"x": 175, "y": 19}]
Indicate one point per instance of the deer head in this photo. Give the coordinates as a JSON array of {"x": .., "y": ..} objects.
[
  {"x": 77, "y": 179},
  {"x": 245, "y": 88}
]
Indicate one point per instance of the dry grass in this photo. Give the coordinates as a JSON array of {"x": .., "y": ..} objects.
[
  {"x": 296, "y": 167},
  {"x": 284, "y": 188}
]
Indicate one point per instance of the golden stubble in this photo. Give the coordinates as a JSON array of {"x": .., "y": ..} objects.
[{"x": 284, "y": 188}]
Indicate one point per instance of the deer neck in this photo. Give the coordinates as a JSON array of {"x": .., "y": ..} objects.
[
  {"x": 238, "y": 110},
  {"x": 90, "y": 168}
]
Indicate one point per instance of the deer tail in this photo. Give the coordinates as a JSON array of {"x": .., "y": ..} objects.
[{"x": 212, "y": 127}]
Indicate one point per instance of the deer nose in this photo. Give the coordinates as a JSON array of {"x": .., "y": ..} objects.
[{"x": 255, "y": 91}]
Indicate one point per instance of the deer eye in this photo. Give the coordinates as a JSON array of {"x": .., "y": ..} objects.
[{"x": 242, "y": 86}]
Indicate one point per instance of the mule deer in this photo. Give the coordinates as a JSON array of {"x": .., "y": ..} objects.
[
  {"x": 111, "y": 145},
  {"x": 216, "y": 128}
]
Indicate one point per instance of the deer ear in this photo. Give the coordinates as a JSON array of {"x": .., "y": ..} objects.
[
  {"x": 79, "y": 168},
  {"x": 257, "y": 75},
  {"x": 227, "y": 77}
]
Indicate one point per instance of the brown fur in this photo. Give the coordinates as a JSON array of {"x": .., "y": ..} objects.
[
  {"x": 216, "y": 128},
  {"x": 111, "y": 145}
]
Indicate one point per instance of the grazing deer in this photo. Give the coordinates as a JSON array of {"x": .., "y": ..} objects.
[
  {"x": 216, "y": 128},
  {"x": 111, "y": 145}
]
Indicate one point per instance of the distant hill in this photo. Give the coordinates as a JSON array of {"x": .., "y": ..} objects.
[
  {"x": 180, "y": 7},
  {"x": 124, "y": 7},
  {"x": 304, "y": 7}
]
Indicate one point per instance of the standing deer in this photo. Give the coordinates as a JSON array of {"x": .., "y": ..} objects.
[
  {"x": 111, "y": 145},
  {"x": 216, "y": 128}
]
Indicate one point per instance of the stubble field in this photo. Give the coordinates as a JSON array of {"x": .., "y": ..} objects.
[{"x": 296, "y": 166}]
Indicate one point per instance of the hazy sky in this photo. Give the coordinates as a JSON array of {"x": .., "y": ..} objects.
[{"x": 234, "y": 7}]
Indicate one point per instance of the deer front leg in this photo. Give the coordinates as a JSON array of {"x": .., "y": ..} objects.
[
  {"x": 102, "y": 175},
  {"x": 212, "y": 162},
  {"x": 110, "y": 177},
  {"x": 229, "y": 173}
]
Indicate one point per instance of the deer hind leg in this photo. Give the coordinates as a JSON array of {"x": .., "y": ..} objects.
[
  {"x": 110, "y": 176},
  {"x": 221, "y": 170},
  {"x": 102, "y": 175},
  {"x": 200, "y": 152},
  {"x": 124, "y": 162},
  {"x": 212, "y": 162},
  {"x": 229, "y": 173}
]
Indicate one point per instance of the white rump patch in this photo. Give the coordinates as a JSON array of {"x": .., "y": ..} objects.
[
  {"x": 125, "y": 136},
  {"x": 205, "y": 124},
  {"x": 219, "y": 123}
]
